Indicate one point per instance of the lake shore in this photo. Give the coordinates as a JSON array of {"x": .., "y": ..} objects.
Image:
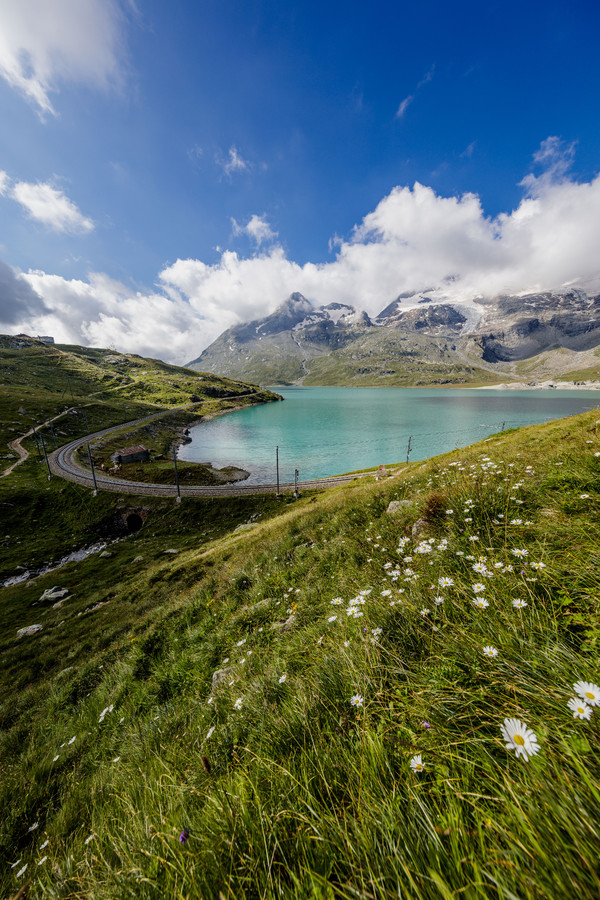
[{"x": 540, "y": 386}]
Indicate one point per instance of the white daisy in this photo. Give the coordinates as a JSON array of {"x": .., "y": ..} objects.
[
  {"x": 357, "y": 700},
  {"x": 438, "y": 600},
  {"x": 579, "y": 709},
  {"x": 490, "y": 651},
  {"x": 282, "y": 679},
  {"x": 210, "y": 732},
  {"x": 520, "y": 738},
  {"x": 589, "y": 692},
  {"x": 478, "y": 588},
  {"x": 332, "y": 618},
  {"x": 444, "y": 581},
  {"x": 417, "y": 764},
  {"x": 238, "y": 703},
  {"x": 21, "y": 871},
  {"x": 519, "y": 603},
  {"x": 480, "y": 603},
  {"x": 42, "y": 860}
]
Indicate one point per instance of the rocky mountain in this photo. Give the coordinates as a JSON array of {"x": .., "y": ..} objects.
[{"x": 419, "y": 338}]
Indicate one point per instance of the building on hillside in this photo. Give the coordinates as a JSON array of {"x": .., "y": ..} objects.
[
  {"x": 131, "y": 454},
  {"x": 45, "y": 338}
]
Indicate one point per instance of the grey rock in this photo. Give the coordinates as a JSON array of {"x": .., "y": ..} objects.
[
  {"x": 247, "y": 527},
  {"x": 396, "y": 506},
  {"x": 419, "y": 527},
  {"x": 221, "y": 676},
  {"x": 284, "y": 625},
  {"x": 138, "y": 559},
  {"x": 58, "y": 604},
  {"x": 105, "y": 554},
  {"x": 53, "y": 593},
  {"x": 171, "y": 550},
  {"x": 29, "y": 630}
]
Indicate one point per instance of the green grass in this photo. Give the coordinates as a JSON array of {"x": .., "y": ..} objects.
[{"x": 298, "y": 793}]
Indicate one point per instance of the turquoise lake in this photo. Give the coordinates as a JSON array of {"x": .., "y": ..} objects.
[{"x": 331, "y": 430}]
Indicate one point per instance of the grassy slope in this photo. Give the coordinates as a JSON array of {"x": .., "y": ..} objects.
[
  {"x": 298, "y": 793},
  {"x": 43, "y": 521}
]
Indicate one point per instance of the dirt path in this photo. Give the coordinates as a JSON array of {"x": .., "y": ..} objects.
[{"x": 23, "y": 453}]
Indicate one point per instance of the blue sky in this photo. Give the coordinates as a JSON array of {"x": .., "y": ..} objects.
[{"x": 169, "y": 169}]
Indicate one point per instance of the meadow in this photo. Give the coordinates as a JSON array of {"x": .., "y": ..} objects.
[{"x": 340, "y": 699}]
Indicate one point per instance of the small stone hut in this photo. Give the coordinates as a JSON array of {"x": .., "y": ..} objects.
[{"x": 131, "y": 454}]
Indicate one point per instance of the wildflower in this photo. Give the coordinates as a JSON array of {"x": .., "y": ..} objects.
[
  {"x": 238, "y": 703},
  {"x": 332, "y": 618},
  {"x": 580, "y": 709},
  {"x": 346, "y": 643},
  {"x": 478, "y": 588},
  {"x": 480, "y": 603},
  {"x": 426, "y": 725},
  {"x": 239, "y": 643},
  {"x": 55, "y": 758},
  {"x": 537, "y": 565},
  {"x": 116, "y": 759},
  {"x": 45, "y": 844},
  {"x": 88, "y": 839},
  {"x": 33, "y": 827},
  {"x": 320, "y": 641},
  {"x": 210, "y": 732},
  {"x": 337, "y": 601},
  {"x": 184, "y": 835},
  {"x": 490, "y": 651},
  {"x": 474, "y": 537},
  {"x": 386, "y": 593},
  {"x": 357, "y": 700},
  {"x": 416, "y": 764},
  {"x": 589, "y": 692},
  {"x": 42, "y": 860},
  {"x": 519, "y": 604},
  {"x": 584, "y": 496},
  {"x": 449, "y": 512},
  {"x": 282, "y": 679},
  {"x": 520, "y": 738},
  {"x": 520, "y": 553},
  {"x": 438, "y": 600},
  {"x": 376, "y": 632},
  {"x": 21, "y": 871},
  {"x": 424, "y": 612},
  {"x": 444, "y": 581},
  {"x": 72, "y": 739}
]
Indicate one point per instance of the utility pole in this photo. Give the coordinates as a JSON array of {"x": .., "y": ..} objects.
[
  {"x": 176, "y": 475},
  {"x": 46, "y": 457},
  {"x": 503, "y": 424},
  {"x": 277, "y": 467},
  {"x": 296, "y": 494},
  {"x": 37, "y": 443},
  {"x": 95, "y": 494},
  {"x": 408, "y": 448}
]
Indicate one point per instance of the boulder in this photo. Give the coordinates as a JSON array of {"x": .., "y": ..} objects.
[
  {"x": 29, "y": 630},
  {"x": 395, "y": 507},
  {"x": 221, "y": 676},
  {"x": 419, "y": 527},
  {"x": 284, "y": 625},
  {"x": 53, "y": 593}
]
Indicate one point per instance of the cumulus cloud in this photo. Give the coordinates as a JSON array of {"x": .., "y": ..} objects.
[
  {"x": 257, "y": 229},
  {"x": 17, "y": 298},
  {"x": 49, "y": 206},
  {"x": 44, "y": 43},
  {"x": 413, "y": 240}
]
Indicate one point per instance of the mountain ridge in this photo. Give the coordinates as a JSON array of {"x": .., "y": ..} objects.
[{"x": 416, "y": 339}]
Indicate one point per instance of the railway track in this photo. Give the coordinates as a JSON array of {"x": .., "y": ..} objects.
[{"x": 63, "y": 464}]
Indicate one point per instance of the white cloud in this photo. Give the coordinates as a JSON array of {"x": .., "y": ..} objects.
[
  {"x": 414, "y": 239},
  {"x": 555, "y": 159},
  {"x": 404, "y": 106},
  {"x": 4, "y": 183},
  {"x": 234, "y": 162},
  {"x": 44, "y": 43},
  {"x": 257, "y": 228},
  {"x": 50, "y": 206}
]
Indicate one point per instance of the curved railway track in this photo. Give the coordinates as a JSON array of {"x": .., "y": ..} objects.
[{"x": 64, "y": 465}]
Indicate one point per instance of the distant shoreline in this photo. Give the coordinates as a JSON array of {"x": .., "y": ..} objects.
[{"x": 541, "y": 386}]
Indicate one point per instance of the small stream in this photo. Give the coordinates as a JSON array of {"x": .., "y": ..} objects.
[{"x": 75, "y": 556}]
